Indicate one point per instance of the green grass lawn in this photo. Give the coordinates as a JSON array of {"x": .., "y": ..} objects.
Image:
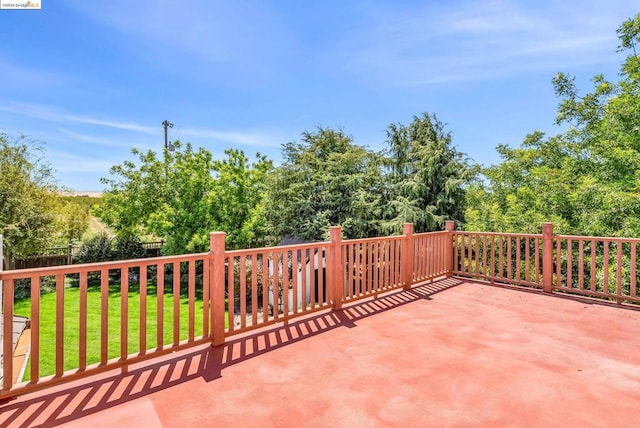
[{"x": 72, "y": 329}]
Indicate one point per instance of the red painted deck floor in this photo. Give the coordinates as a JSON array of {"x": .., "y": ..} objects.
[{"x": 451, "y": 353}]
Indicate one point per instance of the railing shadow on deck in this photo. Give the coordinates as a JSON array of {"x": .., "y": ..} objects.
[{"x": 67, "y": 404}]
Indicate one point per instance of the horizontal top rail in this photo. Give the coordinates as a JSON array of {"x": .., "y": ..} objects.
[
  {"x": 597, "y": 238},
  {"x": 439, "y": 232},
  {"x": 308, "y": 246},
  {"x": 376, "y": 239},
  {"x": 505, "y": 234}
]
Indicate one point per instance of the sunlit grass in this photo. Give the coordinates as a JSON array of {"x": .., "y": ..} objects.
[{"x": 72, "y": 324}]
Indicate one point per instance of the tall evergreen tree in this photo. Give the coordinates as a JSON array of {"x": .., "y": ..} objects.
[
  {"x": 427, "y": 176},
  {"x": 325, "y": 180}
]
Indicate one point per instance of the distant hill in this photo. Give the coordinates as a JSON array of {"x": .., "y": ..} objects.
[{"x": 86, "y": 193}]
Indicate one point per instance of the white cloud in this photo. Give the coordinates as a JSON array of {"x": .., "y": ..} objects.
[
  {"x": 481, "y": 40},
  {"x": 169, "y": 32},
  {"x": 93, "y": 134},
  {"x": 50, "y": 114},
  {"x": 73, "y": 163}
]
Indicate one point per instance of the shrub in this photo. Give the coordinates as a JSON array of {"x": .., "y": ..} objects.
[
  {"x": 97, "y": 249},
  {"x": 128, "y": 246}
]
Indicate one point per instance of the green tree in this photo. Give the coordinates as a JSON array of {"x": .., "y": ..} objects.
[
  {"x": 428, "y": 176},
  {"x": 73, "y": 221},
  {"x": 586, "y": 179},
  {"x": 28, "y": 197},
  {"x": 325, "y": 180},
  {"x": 186, "y": 195}
]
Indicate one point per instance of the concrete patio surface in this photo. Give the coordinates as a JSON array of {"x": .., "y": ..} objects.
[{"x": 450, "y": 353}]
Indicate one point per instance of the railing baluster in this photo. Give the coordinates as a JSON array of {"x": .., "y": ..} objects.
[
  {"x": 231, "y": 293},
  {"x": 124, "y": 313},
  {"x": 518, "y": 256},
  {"x": 509, "y": 257},
  {"x": 191, "y": 283},
  {"x": 265, "y": 286},
  {"x": 7, "y": 327},
  {"x": 206, "y": 278},
  {"x": 455, "y": 246},
  {"x": 254, "y": 289},
  {"x": 143, "y": 309},
  {"x": 632, "y": 286},
  {"x": 477, "y": 253},
  {"x": 581, "y": 264},
  {"x": 294, "y": 279},
  {"x": 82, "y": 348},
  {"x": 527, "y": 258},
  {"x": 537, "y": 260},
  {"x": 376, "y": 271},
  {"x": 469, "y": 255},
  {"x": 35, "y": 328},
  {"x": 285, "y": 285},
  {"x": 322, "y": 255},
  {"x": 605, "y": 285},
  {"x": 501, "y": 257},
  {"x": 276, "y": 261},
  {"x": 558, "y": 262},
  {"x": 104, "y": 316},
  {"x": 569, "y": 263},
  {"x": 484, "y": 255},
  {"x": 242, "y": 271},
  {"x": 176, "y": 303},
  {"x": 312, "y": 276},
  {"x": 59, "y": 325},
  {"x": 160, "y": 307},
  {"x": 619, "y": 269},
  {"x": 593, "y": 265}
]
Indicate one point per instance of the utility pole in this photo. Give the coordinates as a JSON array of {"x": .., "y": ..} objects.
[{"x": 166, "y": 125}]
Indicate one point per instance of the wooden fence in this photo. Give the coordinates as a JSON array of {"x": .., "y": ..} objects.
[
  {"x": 60, "y": 256},
  {"x": 591, "y": 266},
  {"x": 112, "y": 314}
]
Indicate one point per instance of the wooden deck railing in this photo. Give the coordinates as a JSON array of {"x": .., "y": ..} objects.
[
  {"x": 598, "y": 267},
  {"x": 499, "y": 257},
  {"x": 109, "y": 315}
]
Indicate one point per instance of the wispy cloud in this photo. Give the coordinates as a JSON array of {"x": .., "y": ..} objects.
[
  {"x": 50, "y": 114},
  {"x": 69, "y": 163},
  {"x": 100, "y": 140},
  {"x": 480, "y": 40},
  {"x": 265, "y": 139},
  {"x": 194, "y": 34}
]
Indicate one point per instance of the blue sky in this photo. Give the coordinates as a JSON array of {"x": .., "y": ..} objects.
[{"x": 94, "y": 78}]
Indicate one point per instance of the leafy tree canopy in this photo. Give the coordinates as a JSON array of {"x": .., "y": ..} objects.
[
  {"x": 28, "y": 198},
  {"x": 325, "y": 180},
  {"x": 427, "y": 176},
  {"x": 586, "y": 179},
  {"x": 185, "y": 195}
]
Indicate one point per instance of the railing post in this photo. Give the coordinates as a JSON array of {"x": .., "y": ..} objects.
[
  {"x": 407, "y": 256},
  {"x": 1, "y": 269},
  {"x": 216, "y": 286},
  {"x": 449, "y": 226},
  {"x": 547, "y": 257},
  {"x": 70, "y": 254},
  {"x": 336, "y": 268}
]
